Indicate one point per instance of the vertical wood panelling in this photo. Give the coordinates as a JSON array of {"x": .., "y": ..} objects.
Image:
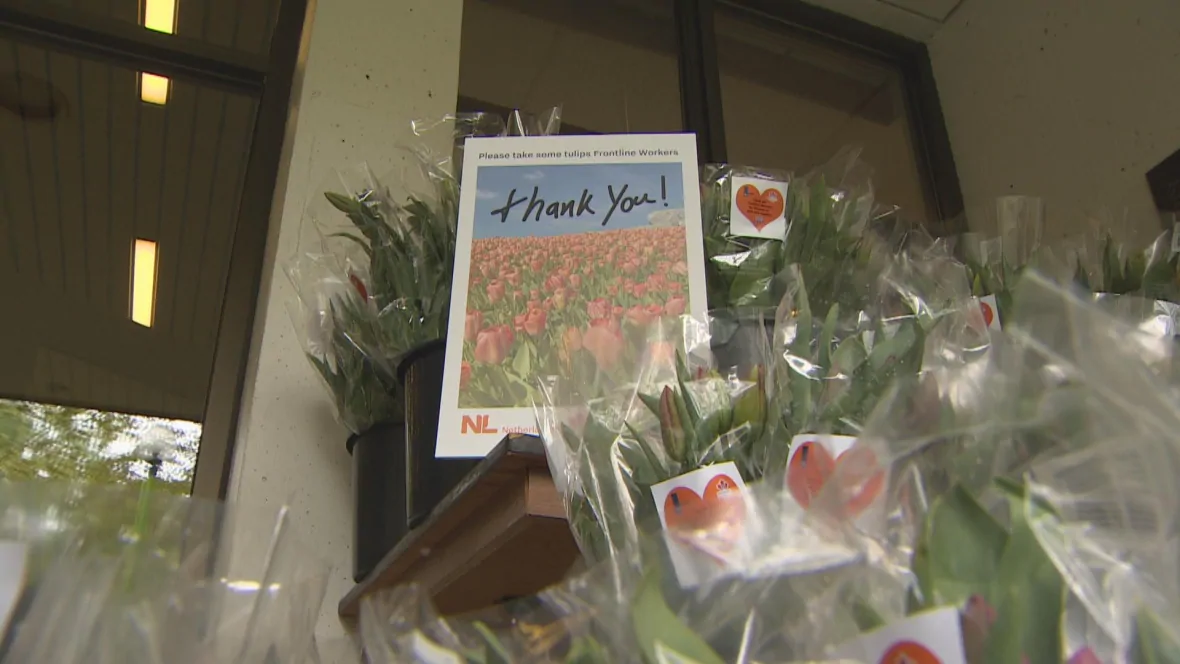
[
  {"x": 14, "y": 213},
  {"x": 177, "y": 161},
  {"x": 233, "y": 149},
  {"x": 122, "y": 135},
  {"x": 95, "y": 144},
  {"x": 39, "y": 142},
  {"x": 194, "y": 211},
  {"x": 68, "y": 177}
]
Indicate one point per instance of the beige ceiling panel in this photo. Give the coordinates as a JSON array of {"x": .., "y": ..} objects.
[
  {"x": 892, "y": 18},
  {"x": 934, "y": 9}
]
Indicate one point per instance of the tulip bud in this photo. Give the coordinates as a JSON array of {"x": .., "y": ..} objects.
[
  {"x": 671, "y": 428},
  {"x": 750, "y": 406}
]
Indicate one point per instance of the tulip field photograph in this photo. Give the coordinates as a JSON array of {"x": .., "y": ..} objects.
[{"x": 567, "y": 294}]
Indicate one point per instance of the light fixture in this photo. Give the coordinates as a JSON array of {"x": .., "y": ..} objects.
[
  {"x": 158, "y": 15},
  {"x": 144, "y": 266},
  {"x": 154, "y": 89}
]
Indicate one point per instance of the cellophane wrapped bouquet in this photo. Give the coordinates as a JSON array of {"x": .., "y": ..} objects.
[
  {"x": 100, "y": 574},
  {"x": 377, "y": 282},
  {"x": 1023, "y": 503}
]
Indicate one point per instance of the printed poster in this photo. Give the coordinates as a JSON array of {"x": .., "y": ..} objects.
[{"x": 568, "y": 248}]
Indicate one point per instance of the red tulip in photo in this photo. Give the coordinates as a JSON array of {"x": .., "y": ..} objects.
[
  {"x": 572, "y": 340},
  {"x": 675, "y": 306},
  {"x": 605, "y": 344},
  {"x": 488, "y": 347},
  {"x": 534, "y": 322},
  {"x": 495, "y": 291},
  {"x": 464, "y": 375},
  {"x": 472, "y": 325},
  {"x": 598, "y": 308}
]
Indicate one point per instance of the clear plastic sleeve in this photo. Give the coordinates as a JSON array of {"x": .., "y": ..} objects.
[
  {"x": 1028, "y": 488},
  {"x": 376, "y": 282},
  {"x": 115, "y": 574},
  {"x": 698, "y": 398}
]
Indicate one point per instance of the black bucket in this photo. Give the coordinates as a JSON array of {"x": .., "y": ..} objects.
[
  {"x": 378, "y": 494},
  {"x": 430, "y": 479}
]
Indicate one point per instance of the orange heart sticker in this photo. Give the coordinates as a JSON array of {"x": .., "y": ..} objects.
[
  {"x": 812, "y": 465},
  {"x": 909, "y": 652},
  {"x": 988, "y": 314},
  {"x": 760, "y": 207},
  {"x": 722, "y": 504}
]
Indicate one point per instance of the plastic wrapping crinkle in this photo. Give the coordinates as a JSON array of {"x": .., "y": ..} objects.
[
  {"x": 845, "y": 331},
  {"x": 769, "y": 577},
  {"x": 699, "y": 399},
  {"x": 376, "y": 281},
  {"x": 118, "y": 575},
  {"x": 1028, "y": 490}
]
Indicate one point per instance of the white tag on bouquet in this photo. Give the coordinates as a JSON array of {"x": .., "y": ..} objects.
[
  {"x": 932, "y": 637},
  {"x": 758, "y": 208},
  {"x": 990, "y": 312},
  {"x": 703, "y": 513},
  {"x": 13, "y": 562}
]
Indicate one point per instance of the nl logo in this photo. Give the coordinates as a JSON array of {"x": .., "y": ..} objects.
[{"x": 477, "y": 424}]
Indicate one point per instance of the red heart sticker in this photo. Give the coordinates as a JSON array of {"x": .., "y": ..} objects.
[
  {"x": 909, "y": 652},
  {"x": 760, "y": 207},
  {"x": 722, "y": 504},
  {"x": 812, "y": 465},
  {"x": 988, "y": 314}
]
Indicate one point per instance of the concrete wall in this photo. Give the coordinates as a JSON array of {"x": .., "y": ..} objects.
[
  {"x": 1073, "y": 100},
  {"x": 372, "y": 67}
]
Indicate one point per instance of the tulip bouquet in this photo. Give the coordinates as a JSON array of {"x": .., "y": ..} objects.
[
  {"x": 379, "y": 284},
  {"x": 740, "y": 271},
  {"x": 1017, "y": 501},
  {"x": 369, "y": 307},
  {"x": 681, "y": 412},
  {"x": 1153, "y": 273}
]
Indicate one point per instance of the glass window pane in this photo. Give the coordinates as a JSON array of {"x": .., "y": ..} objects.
[
  {"x": 791, "y": 103},
  {"x": 610, "y": 64},
  {"x": 241, "y": 25},
  {"x": 113, "y": 209}
]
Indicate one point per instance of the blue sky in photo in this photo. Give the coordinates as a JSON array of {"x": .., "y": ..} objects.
[{"x": 564, "y": 183}]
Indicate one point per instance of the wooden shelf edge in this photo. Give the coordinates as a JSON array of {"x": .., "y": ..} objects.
[{"x": 499, "y": 501}]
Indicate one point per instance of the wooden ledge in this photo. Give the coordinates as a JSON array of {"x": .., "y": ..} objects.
[{"x": 501, "y": 533}]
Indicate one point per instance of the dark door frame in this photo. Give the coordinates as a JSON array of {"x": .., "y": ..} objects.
[
  {"x": 270, "y": 79},
  {"x": 700, "y": 82}
]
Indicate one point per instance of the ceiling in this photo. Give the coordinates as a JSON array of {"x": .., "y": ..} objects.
[
  {"x": 916, "y": 19},
  {"x": 85, "y": 169}
]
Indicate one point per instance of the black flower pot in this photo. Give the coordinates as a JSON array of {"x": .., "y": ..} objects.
[
  {"x": 430, "y": 479},
  {"x": 378, "y": 494}
]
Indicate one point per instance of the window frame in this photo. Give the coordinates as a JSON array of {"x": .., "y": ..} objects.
[
  {"x": 700, "y": 85},
  {"x": 269, "y": 78}
]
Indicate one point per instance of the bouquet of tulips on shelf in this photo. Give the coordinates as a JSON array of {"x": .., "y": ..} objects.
[
  {"x": 744, "y": 260},
  {"x": 121, "y": 575},
  {"x": 1022, "y": 504},
  {"x": 377, "y": 283}
]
